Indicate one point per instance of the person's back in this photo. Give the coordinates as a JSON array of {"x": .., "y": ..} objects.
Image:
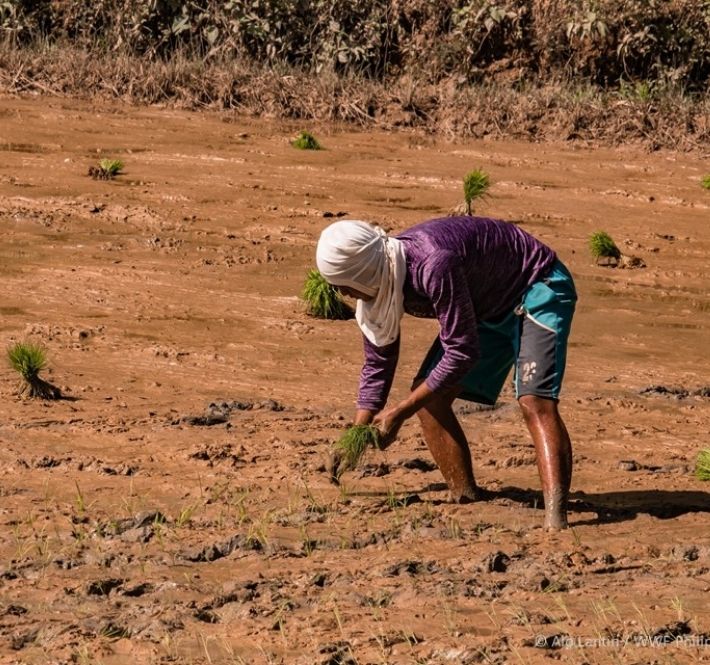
[{"x": 499, "y": 260}]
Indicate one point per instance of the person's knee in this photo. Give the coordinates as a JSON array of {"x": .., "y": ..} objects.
[{"x": 537, "y": 408}]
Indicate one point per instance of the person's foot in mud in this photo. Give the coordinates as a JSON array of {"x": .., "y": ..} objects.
[
  {"x": 555, "y": 511},
  {"x": 474, "y": 494}
]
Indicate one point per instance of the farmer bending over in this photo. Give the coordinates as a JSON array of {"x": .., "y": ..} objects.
[{"x": 501, "y": 297}]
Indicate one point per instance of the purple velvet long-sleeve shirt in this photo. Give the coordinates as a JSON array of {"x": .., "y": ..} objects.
[{"x": 459, "y": 270}]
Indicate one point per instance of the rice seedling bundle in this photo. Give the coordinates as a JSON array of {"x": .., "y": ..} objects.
[
  {"x": 322, "y": 299},
  {"x": 475, "y": 186},
  {"x": 601, "y": 245},
  {"x": 352, "y": 445},
  {"x": 28, "y": 360},
  {"x": 306, "y": 141},
  {"x": 107, "y": 169}
]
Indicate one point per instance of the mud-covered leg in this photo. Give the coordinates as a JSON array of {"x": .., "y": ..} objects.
[
  {"x": 448, "y": 445},
  {"x": 554, "y": 456}
]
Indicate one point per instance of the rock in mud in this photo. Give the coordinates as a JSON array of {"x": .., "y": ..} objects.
[
  {"x": 205, "y": 421},
  {"x": 138, "y": 590},
  {"x": 375, "y": 470},
  {"x": 629, "y": 465},
  {"x": 222, "y": 549},
  {"x": 419, "y": 464},
  {"x": 103, "y": 587},
  {"x": 497, "y": 562},
  {"x": 207, "y": 616},
  {"x": 14, "y": 610},
  {"x": 139, "y": 528},
  {"x": 338, "y": 653},
  {"x": 631, "y": 262}
]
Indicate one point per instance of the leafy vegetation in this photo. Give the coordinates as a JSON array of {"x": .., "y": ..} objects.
[
  {"x": 702, "y": 466},
  {"x": 601, "y": 245},
  {"x": 306, "y": 141},
  {"x": 29, "y": 359},
  {"x": 606, "y": 42},
  {"x": 705, "y": 182},
  {"x": 352, "y": 445},
  {"x": 322, "y": 299},
  {"x": 475, "y": 186}
]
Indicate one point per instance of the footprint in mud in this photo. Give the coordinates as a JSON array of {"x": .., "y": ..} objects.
[{"x": 219, "y": 453}]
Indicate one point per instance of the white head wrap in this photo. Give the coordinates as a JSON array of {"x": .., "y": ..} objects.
[{"x": 359, "y": 255}]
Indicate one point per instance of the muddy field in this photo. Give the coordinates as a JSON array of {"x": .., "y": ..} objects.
[{"x": 175, "y": 509}]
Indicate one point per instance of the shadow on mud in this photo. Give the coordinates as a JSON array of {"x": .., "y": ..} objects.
[
  {"x": 618, "y": 506},
  {"x": 608, "y": 506}
]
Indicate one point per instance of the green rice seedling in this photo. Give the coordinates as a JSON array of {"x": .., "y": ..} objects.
[
  {"x": 107, "y": 169},
  {"x": 352, "y": 446},
  {"x": 306, "y": 141},
  {"x": 702, "y": 466},
  {"x": 705, "y": 182},
  {"x": 602, "y": 246},
  {"x": 322, "y": 300},
  {"x": 475, "y": 186},
  {"x": 29, "y": 359}
]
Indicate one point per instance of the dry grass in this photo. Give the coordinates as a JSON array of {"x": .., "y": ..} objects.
[{"x": 551, "y": 111}]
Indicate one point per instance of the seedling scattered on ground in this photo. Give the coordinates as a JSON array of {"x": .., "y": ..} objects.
[
  {"x": 322, "y": 300},
  {"x": 107, "y": 169},
  {"x": 705, "y": 182},
  {"x": 602, "y": 246},
  {"x": 29, "y": 359},
  {"x": 186, "y": 515},
  {"x": 702, "y": 466},
  {"x": 306, "y": 141},
  {"x": 475, "y": 186},
  {"x": 351, "y": 447}
]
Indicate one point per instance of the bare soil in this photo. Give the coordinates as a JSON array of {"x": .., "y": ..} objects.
[{"x": 174, "y": 507}]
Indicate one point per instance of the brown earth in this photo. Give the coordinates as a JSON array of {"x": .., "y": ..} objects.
[{"x": 141, "y": 525}]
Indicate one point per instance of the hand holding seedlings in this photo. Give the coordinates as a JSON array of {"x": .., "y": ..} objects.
[{"x": 389, "y": 422}]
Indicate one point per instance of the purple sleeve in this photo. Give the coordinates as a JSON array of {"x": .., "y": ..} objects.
[
  {"x": 377, "y": 374},
  {"x": 446, "y": 285}
]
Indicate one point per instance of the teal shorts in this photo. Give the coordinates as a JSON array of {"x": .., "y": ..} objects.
[{"x": 532, "y": 338}]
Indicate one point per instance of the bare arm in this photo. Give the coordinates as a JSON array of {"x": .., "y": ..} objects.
[
  {"x": 389, "y": 421},
  {"x": 363, "y": 417}
]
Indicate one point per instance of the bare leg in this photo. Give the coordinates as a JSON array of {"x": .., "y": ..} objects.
[
  {"x": 554, "y": 456},
  {"x": 448, "y": 445}
]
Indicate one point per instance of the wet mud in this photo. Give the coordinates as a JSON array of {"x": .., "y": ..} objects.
[{"x": 176, "y": 507}]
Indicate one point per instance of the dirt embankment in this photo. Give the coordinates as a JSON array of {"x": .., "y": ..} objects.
[
  {"x": 615, "y": 72},
  {"x": 176, "y": 509}
]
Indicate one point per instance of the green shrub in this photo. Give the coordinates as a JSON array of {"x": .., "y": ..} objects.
[
  {"x": 702, "y": 466},
  {"x": 28, "y": 360},
  {"x": 705, "y": 182},
  {"x": 322, "y": 300},
  {"x": 352, "y": 446},
  {"x": 475, "y": 186},
  {"x": 601, "y": 245},
  {"x": 306, "y": 141}
]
